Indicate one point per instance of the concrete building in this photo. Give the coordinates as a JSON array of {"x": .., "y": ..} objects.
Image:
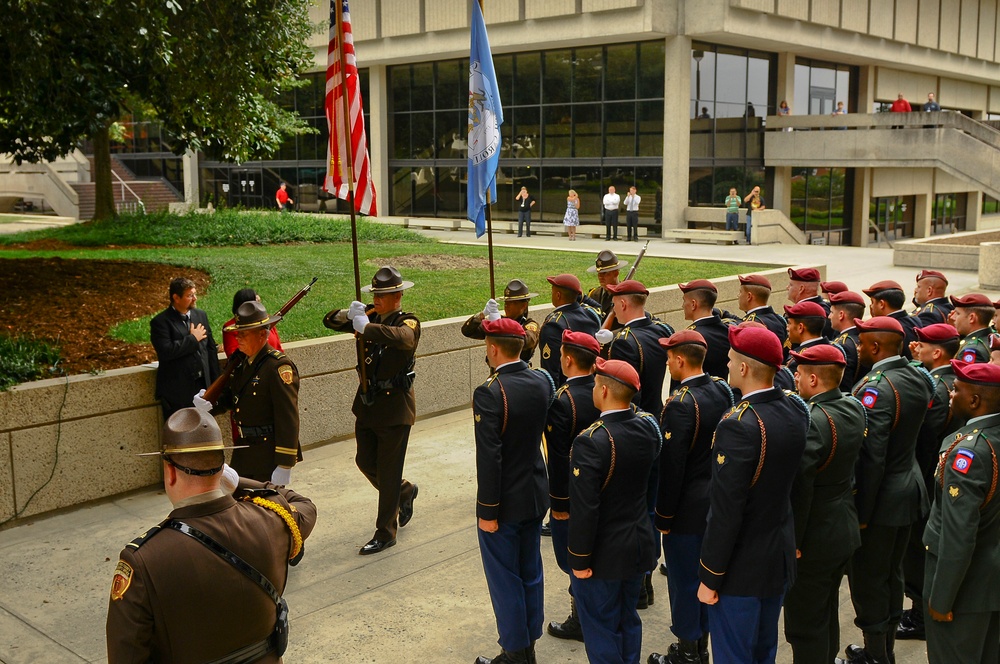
[{"x": 678, "y": 97}]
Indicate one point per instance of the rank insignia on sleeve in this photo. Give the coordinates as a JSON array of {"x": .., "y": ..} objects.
[
  {"x": 121, "y": 581},
  {"x": 969, "y": 356},
  {"x": 720, "y": 459},
  {"x": 963, "y": 461},
  {"x": 546, "y": 352},
  {"x": 478, "y": 417},
  {"x": 548, "y": 427},
  {"x": 953, "y": 491},
  {"x": 286, "y": 373},
  {"x": 667, "y": 435},
  {"x": 576, "y": 472},
  {"x": 410, "y": 323},
  {"x": 869, "y": 397}
]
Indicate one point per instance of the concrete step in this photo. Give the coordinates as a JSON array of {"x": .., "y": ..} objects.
[{"x": 703, "y": 235}]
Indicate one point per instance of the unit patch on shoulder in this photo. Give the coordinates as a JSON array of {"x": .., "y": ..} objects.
[
  {"x": 531, "y": 327},
  {"x": 969, "y": 356},
  {"x": 286, "y": 373},
  {"x": 546, "y": 352},
  {"x": 410, "y": 323},
  {"x": 963, "y": 461},
  {"x": 121, "y": 581},
  {"x": 869, "y": 397},
  {"x": 953, "y": 491}
]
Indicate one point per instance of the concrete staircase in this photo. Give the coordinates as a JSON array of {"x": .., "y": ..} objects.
[{"x": 154, "y": 194}]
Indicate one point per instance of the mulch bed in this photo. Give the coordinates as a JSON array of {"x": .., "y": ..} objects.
[{"x": 74, "y": 303}]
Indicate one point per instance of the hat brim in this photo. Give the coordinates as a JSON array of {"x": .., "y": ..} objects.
[
  {"x": 267, "y": 322},
  {"x": 608, "y": 268},
  {"x": 516, "y": 298},
  {"x": 183, "y": 450},
  {"x": 389, "y": 289}
]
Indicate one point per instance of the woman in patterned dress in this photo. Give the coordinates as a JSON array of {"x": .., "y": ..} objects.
[{"x": 572, "y": 218}]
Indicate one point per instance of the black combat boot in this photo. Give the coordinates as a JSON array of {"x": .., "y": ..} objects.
[
  {"x": 911, "y": 626},
  {"x": 703, "y": 648},
  {"x": 643, "y": 602},
  {"x": 648, "y": 581},
  {"x": 873, "y": 652},
  {"x": 570, "y": 628},
  {"x": 682, "y": 652},
  {"x": 508, "y": 657}
]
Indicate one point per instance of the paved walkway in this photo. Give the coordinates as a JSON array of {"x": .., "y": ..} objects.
[
  {"x": 15, "y": 223},
  {"x": 424, "y": 600}
]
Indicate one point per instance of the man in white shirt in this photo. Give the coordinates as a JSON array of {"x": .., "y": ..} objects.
[
  {"x": 612, "y": 202},
  {"x": 632, "y": 215}
]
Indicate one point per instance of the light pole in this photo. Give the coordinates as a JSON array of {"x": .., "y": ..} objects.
[{"x": 697, "y": 55}]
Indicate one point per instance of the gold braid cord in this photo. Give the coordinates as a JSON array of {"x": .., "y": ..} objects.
[
  {"x": 993, "y": 484},
  {"x": 895, "y": 393},
  {"x": 763, "y": 448},
  {"x": 611, "y": 469},
  {"x": 287, "y": 518},
  {"x": 572, "y": 405},
  {"x": 697, "y": 421},
  {"x": 833, "y": 448},
  {"x": 944, "y": 458},
  {"x": 503, "y": 394}
]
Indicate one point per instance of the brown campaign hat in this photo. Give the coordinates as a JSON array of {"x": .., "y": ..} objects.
[
  {"x": 932, "y": 274},
  {"x": 387, "y": 280},
  {"x": 607, "y": 261},
  {"x": 191, "y": 430},
  {"x": 754, "y": 280},
  {"x": 251, "y": 315},
  {"x": 623, "y": 372},
  {"x": 938, "y": 333},
  {"x": 847, "y": 297},
  {"x": 503, "y": 327},
  {"x": 820, "y": 354},
  {"x": 879, "y": 324},
  {"x": 698, "y": 284},
  {"x": 803, "y": 274},
  {"x": 627, "y": 287},
  {"x": 880, "y": 287},
  {"x": 805, "y": 309},
  {"x": 971, "y": 300},
  {"x": 683, "y": 338},
  {"x": 515, "y": 291},
  {"x": 581, "y": 340},
  {"x": 757, "y": 343},
  {"x": 567, "y": 281},
  {"x": 977, "y": 373},
  {"x": 832, "y": 286}
]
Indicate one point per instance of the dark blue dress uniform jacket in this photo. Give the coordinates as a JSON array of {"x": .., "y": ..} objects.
[{"x": 571, "y": 412}]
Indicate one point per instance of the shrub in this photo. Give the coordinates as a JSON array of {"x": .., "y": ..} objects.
[{"x": 23, "y": 360}]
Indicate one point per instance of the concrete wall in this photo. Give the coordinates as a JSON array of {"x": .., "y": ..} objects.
[
  {"x": 926, "y": 253},
  {"x": 71, "y": 440}
]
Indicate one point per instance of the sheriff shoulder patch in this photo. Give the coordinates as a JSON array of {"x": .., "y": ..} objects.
[
  {"x": 870, "y": 397},
  {"x": 963, "y": 461},
  {"x": 410, "y": 323},
  {"x": 531, "y": 327},
  {"x": 121, "y": 581},
  {"x": 286, "y": 373}
]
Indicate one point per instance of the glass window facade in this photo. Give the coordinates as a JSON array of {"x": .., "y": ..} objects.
[
  {"x": 582, "y": 118},
  {"x": 819, "y": 197},
  {"x": 820, "y": 85}
]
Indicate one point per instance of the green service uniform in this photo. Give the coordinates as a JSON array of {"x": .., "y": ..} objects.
[
  {"x": 962, "y": 574},
  {"x": 975, "y": 347}
]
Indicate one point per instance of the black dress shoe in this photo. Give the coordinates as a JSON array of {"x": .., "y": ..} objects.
[
  {"x": 663, "y": 569},
  {"x": 648, "y": 581},
  {"x": 570, "y": 629},
  {"x": 508, "y": 657},
  {"x": 546, "y": 530},
  {"x": 911, "y": 626},
  {"x": 375, "y": 546},
  {"x": 643, "y": 598},
  {"x": 406, "y": 508}
]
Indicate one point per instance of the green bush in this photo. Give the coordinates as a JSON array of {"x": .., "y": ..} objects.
[
  {"x": 23, "y": 360},
  {"x": 223, "y": 228}
]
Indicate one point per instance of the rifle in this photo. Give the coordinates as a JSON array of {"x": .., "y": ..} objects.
[
  {"x": 214, "y": 390},
  {"x": 631, "y": 273}
]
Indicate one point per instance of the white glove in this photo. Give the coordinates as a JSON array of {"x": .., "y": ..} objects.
[
  {"x": 356, "y": 309},
  {"x": 360, "y": 323},
  {"x": 202, "y": 404},
  {"x": 281, "y": 476},
  {"x": 604, "y": 336},
  {"x": 492, "y": 310},
  {"x": 230, "y": 478}
]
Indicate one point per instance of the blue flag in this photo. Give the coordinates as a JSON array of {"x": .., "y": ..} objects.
[{"x": 485, "y": 118}]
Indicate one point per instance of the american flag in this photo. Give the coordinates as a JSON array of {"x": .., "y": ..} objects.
[{"x": 337, "y": 150}]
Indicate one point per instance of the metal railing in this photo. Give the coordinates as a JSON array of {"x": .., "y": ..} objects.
[{"x": 128, "y": 206}]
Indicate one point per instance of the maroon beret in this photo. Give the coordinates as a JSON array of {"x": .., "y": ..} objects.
[
  {"x": 832, "y": 286},
  {"x": 926, "y": 274},
  {"x": 805, "y": 309},
  {"x": 977, "y": 373},
  {"x": 971, "y": 300},
  {"x": 996, "y": 305},
  {"x": 847, "y": 297},
  {"x": 754, "y": 280},
  {"x": 682, "y": 338},
  {"x": 623, "y": 372},
  {"x": 756, "y": 343},
  {"x": 627, "y": 287},
  {"x": 938, "y": 333},
  {"x": 581, "y": 340},
  {"x": 698, "y": 284},
  {"x": 503, "y": 327},
  {"x": 803, "y": 274},
  {"x": 568, "y": 281},
  {"x": 994, "y": 342},
  {"x": 820, "y": 354},
  {"x": 879, "y": 324},
  {"x": 881, "y": 287}
]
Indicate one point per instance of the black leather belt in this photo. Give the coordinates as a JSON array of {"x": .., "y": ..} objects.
[
  {"x": 254, "y": 432},
  {"x": 248, "y": 654}
]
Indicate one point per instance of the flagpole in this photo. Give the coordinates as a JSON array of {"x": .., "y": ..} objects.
[
  {"x": 363, "y": 374},
  {"x": 489, "y": 213}
]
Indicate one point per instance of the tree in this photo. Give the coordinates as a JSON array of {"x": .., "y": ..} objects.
[{"x": 209, "y": 71}]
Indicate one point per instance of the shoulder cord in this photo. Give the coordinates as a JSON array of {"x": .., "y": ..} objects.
[
  {"x": 503, "y": 395},
  {"x": 996, "y": 471},
  {"x": 993, "y": 484},
  {"x": 833, "y": 448},
  {"x": 289, "y": 520},
  {"x": 611, "y": 469},
  {"x": 572, "y": 405},
  {"x": 763, "y": 447},
  {"x": 697, "y": 420},
  {"x": 895, "y": 393}
]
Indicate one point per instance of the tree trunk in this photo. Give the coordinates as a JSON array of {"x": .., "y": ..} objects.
[{"x": 104, "y": 197}]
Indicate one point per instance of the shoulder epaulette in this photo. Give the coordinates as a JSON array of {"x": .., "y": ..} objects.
[
  {"x": 592, "y": 311},
  {"x": 563, "y": 389},
  {"x": 798, "y": 401},
  {"x": 739, "y": 409},
  {"x": 553, "y": 317},
  {"x": 589, "y": 431},
  {"x": 927, "y": 376},
  {"x": 146, "y": 536},
  {"x": 666, "y": 326},
  {"x": 649, "y": 419},
  {"x": 276, "y": 354},
  {"x": 592, "y": 291},
  {"x": 729, "y": 390},
  {"x": 680, "y": 393},
  {"x": 552, "y": 384},
  {"x": 864, "y": 410},
  {"x": 491, "y": 379}
]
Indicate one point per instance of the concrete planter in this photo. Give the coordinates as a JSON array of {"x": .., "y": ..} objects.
[
  {"x": 926, "y": 253},
  {"x": 989, "y": 266}
]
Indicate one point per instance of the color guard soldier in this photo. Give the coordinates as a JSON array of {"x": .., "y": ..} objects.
[
  {"x": 830, "y": 288},
  {"x": 755, "y": 291},
  {"x": 516, "y": 299},
  {"x": 889, "y": 493},
  {"x": 933, "y": 306},
  {"x": 826, "y": 521},
  {"x": 699, "y": 303},
  {"x": 572, "y": 411},
  {"x": 568, "y": 314},
  {"x": 611, "y": 541},
  {"x": 510, "y": 410},
  {"x": 687, "y": 421},
  {"x": 263, "y": 395},
  {"x": 971, "y": 317},
  {"x": 748, "y": 554},
  {"x": 846, "y": 309},
  {"x": 963, "y": 531},
  {"x": 385, "y": 408},
  {"x": 803, "y": 286},
  {"x": 887, "y": 299},
  {"x": 177, "y": 595},
  {"x": 934, "y": 349},
  {"x": 608, "y": 267}
]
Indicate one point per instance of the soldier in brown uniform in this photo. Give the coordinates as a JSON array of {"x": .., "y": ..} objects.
[
  {"x": 175, "y": 599},
  {"x": 516, "y": 298},
  {"x": 263, "y": 394},
  {"x": 608, "y": 267},
  {"x": 385, "y": 406}
]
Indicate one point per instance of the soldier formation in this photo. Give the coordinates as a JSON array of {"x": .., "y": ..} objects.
[{"x": 790, "y": 451}]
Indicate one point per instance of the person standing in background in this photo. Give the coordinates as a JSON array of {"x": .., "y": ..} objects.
[
  {"x": 611, "y": 203},
  {"x": 525, "y": 202},
  {"x": 732, "y": 210},
  {"x": 281, "y": 198},
  {"x": 755, "y": 203},
  {"x": 632, "y": 215},
  {"x": 931, "y": 104},
  {"x": 572, "y": 217}
]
